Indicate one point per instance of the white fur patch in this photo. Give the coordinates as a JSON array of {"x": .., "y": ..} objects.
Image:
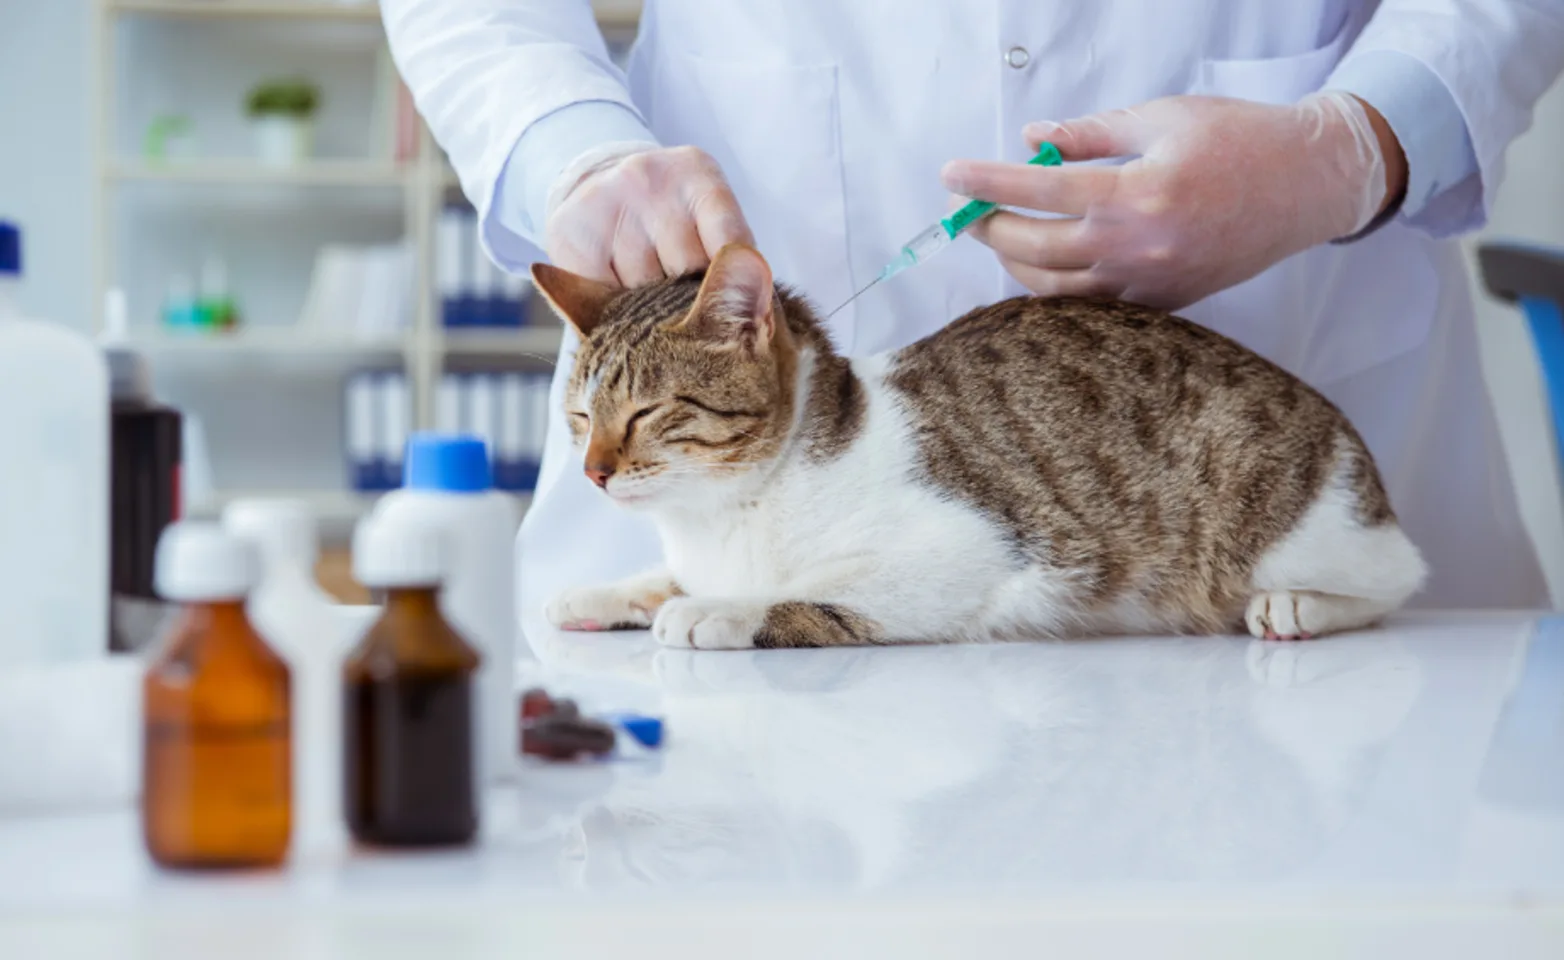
[
  {"x": 1329, "y": 551},
  {"x": 861, "y": 531}
]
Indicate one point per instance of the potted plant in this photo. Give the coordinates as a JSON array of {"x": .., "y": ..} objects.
[{"x": 282, "y": 116}]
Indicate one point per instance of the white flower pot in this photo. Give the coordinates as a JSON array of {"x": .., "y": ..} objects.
[{"x": 282, "y": 140}]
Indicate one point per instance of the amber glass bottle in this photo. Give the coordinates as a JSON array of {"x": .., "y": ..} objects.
[
  {"x": 217, "y": 769},
  {"x": 408, "y": 708}
]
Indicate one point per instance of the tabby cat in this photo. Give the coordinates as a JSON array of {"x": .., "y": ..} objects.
[{"x": 1039, "y": 467}]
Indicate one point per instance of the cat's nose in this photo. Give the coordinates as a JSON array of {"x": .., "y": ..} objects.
[{"x": 599, "y": 473}]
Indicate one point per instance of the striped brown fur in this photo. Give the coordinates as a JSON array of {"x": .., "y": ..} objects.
[
  {"x": 1126, "y": 443},
  {"x": 799, "y": 624}
]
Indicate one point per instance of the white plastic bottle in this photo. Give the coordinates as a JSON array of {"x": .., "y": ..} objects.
[
  {"x": 448, "y": 484},
  {"x": 54, "y": 482},
  {"x": 302, "y": 623}
]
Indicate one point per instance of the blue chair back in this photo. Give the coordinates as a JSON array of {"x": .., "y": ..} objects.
[{"x": 1533, "y": 277}]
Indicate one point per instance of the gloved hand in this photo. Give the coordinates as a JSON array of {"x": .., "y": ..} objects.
[
  {"x": 628, "y": 214},
  {"x": 1218, "y": 190}
]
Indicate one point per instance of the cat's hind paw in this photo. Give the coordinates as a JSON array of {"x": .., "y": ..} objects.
[
  {"x": 708, "y": 623},
  {"x": 602, "y": 608},
  {"x": 1278, "y": 615},
  {"x": 1305, "y": 614}
]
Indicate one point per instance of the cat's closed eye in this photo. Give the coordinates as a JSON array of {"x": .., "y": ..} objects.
[
  {"x": 636, "y": 416},
  {"x": 719, "y": 411}
]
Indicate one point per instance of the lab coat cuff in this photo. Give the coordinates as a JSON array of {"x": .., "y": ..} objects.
[
  {"x": 1423, "y": 114},
  {"x": 545, "y": 150}
]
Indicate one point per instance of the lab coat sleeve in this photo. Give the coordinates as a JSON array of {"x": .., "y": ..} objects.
[
  {"x": 1495, "y": 57},
  {"x": 483, "y": 72},
  {"x": 512, "y": 226},
  {"x": 1423, "y": 115}
]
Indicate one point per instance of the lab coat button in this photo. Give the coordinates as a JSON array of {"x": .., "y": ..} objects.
[{"x": 1018, "y": 57}]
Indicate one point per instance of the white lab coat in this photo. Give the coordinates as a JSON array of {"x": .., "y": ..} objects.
[{"x": 831, "y": 119}]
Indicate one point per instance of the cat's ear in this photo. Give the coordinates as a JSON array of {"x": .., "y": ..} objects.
[
  {"x": 578, "y": 299},
  {"x": 735, "y": 301}
]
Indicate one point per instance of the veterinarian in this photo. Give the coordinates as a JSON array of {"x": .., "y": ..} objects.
[{"x": 1312, "y": 227}]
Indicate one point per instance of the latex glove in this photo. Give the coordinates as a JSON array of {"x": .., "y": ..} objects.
[
  {"x": 1218, "y": 190},
  {"x": 628, "y": 214}
]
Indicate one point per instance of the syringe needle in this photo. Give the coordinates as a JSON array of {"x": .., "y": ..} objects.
[
  {"x": 861, "y": 292},
  {"x": 939, "y": 236}
]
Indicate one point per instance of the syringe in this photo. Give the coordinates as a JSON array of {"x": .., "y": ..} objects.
[{"x": 939, "y": 236}]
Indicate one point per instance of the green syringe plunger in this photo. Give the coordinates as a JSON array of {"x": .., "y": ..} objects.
[
  {"x": 939, "y": 235},
  {"x": 956, "y": 223}
]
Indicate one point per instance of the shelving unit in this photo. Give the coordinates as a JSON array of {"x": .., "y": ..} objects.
[
  {"x": 538, "y": 342},
  {"x": 265, "y": 341},
  {"x": 318, "y": 173},
  {"x": 290, "y": 9},
  {"x": 418, "y": 186},
  {"x": 329, "y": 506}
]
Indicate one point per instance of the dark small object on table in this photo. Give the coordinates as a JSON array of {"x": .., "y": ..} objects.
[
  {"x": 536, "y": 703},
  {"x": 565, "y": 738}
]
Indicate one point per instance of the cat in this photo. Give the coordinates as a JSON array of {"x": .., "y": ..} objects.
[{"x": 1037, "y": 468}]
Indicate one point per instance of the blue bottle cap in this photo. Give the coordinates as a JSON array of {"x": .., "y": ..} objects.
[
  {"x": 440, "y": 461},
  {"x": 10, "y": 248}
]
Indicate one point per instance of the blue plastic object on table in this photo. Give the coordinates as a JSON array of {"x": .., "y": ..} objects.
[
  {"x": 1533, "y": 277},
  {"x": 647, "y": 731}
]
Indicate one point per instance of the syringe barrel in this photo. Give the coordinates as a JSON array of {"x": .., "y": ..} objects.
[{"x": 928, "y": 243}]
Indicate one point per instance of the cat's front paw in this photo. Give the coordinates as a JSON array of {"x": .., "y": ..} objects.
[
  {"x": 602, "y": 608},
  {"x": 708, "y": 623}
]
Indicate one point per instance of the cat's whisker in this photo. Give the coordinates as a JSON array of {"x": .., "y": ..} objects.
[{"x": 551, "y": 361}]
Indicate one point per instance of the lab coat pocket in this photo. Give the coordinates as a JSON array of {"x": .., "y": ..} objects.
[
  {"x": 1276, "y": 80},
  {"x": 774, "y": 127}
]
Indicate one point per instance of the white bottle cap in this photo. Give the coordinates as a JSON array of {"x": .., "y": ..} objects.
[
  {"x": 281, "y": 530},
  {"x": 392, "y": 553},
  {"x": 199, "y": 561}
]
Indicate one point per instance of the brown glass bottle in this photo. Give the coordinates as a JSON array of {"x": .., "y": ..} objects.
[
  {"x": 408, "y": 727},
  {"x": 216, "y": 780}
]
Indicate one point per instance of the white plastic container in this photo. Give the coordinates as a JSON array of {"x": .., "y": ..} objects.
[
  {"x": 54, "y": 483},
  {"x": 449, "y": 485},
  {"x": 302, "y": 623},
  {"x": 70, "y": 736}
]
